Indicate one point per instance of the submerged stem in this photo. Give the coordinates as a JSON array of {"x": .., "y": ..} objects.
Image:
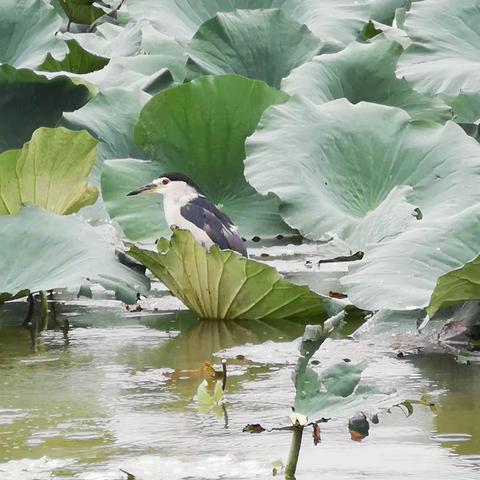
[
  {"x": 291, "y": 467},
  {"x": 31, "y": 305},
  {"x": 44, "y": 309}
]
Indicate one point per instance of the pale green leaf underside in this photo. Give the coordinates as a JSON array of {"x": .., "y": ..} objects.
[
  {"x": 363, "y": 72},
  {"x": 27, "y": 32},
  {"x": 402, "y": 274},
  {"x": 354, "y": 182},
  {"x": 110, "y": 118},
  {"x": 445, "y": 54},
  {"x": 222, "y": 285},
  {"x": 41, "y": 251},
  {"x": 335, "y": 22},
  {"x": 384, "y": 10},
  {"x": 49, "y": 171}
]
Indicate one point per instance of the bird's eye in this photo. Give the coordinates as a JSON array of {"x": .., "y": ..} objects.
[{"x": 165, "y": 181}]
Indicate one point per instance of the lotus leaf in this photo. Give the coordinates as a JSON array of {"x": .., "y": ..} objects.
[
  {"x": 277, "y": 45},
  {"x": 27, "y": 32},
  {"x": 110, "y": 41},
  {"x": 43, "y": 251},
  {"x": 353, "y": 182},
  {"x": 384, "y": 10},
  {"x": 335, "y": 22},
  {"x": 29, "y": 101},
  {"x": 141, "y": 72},
  {"x": 402, "y": 273},
  {"x": 139, "y": 219},
  {"x": 199, "y": 129},
  {"x": 445, "y": 54},
  {"x": 110, "y": 117},
  {"x": 49, "y": 171},
  {"x": 222, "y": 285},
  {"x": 458, "y": 286},
  {"x": 363, "y": 72},
  {"x": 77, "y": 60},
  {"x": 81, "y": 11}
]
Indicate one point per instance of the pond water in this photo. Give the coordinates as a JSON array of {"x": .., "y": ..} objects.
[{"x": 117, "y": 393}]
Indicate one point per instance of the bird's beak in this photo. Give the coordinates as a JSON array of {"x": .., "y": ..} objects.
[{"x": 145, "y": 189}]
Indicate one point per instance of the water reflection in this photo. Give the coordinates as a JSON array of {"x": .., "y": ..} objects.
[
  {"x": 458, "y": 409},
  {"x": 118, "y": 394}
]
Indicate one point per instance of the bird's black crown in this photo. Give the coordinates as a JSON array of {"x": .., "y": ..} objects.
[{"x": 180, "y": 177}]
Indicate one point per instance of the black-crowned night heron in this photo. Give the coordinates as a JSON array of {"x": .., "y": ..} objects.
[{"x": 186, "y": 207}]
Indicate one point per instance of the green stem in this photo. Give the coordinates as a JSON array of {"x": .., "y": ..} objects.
[
  {"x": 294, "y": 452},
  {"x": 44, "y": 310}
]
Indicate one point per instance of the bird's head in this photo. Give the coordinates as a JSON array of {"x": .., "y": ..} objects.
[{"x": 170, "y": 184}]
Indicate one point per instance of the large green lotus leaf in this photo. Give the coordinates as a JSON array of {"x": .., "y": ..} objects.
[
  {"x": 277, "y": 44},
  {"x": 445, "y": 54},
  {"x": 335, "y": 22},
  {"x": 77, "y": 60},
  {"x": 455, "y": 287},
  {"x": 81, "y": 11},
  {"x": 384, "y": 10},
  {"x": 139, "y": 219},
  {"x": 363, "y": 72},
  {"x": 402, "y": 273},
  {"x": 352, "y": 177},
  {"x": 355, "y": 183},
  {"x": 199, "y": 129},
  {"x": 64, "y": 252},
  {"x": 49, "y": 171},
  {"x": 222, "y": 285},
  {"x": 110, "y": 118},
  {"x": 29, "y": 101},
  {"x": 27, "y": 32}
]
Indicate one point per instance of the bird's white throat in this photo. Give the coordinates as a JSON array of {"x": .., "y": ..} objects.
[{"x": 175, "y": 196}]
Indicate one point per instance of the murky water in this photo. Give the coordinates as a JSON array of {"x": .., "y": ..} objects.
[{"x": 116, "y": 393}]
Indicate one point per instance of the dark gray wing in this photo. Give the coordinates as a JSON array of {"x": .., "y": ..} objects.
[{"x": 214, "y": 223}]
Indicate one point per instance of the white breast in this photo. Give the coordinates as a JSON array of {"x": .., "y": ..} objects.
[{"x": 171, "y": 208}]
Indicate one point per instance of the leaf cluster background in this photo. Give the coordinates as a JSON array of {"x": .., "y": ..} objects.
[{"x": 341, "y": 120}]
